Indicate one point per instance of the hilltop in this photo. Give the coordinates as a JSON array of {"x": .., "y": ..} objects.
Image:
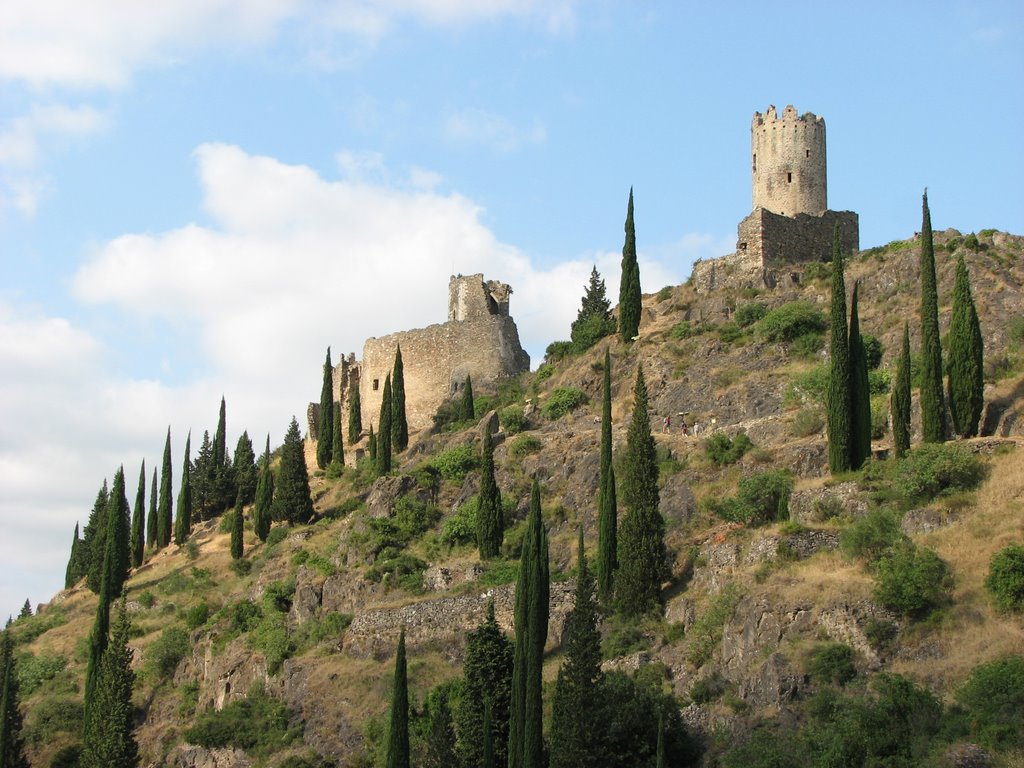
[{"x": 315, "y": 615}]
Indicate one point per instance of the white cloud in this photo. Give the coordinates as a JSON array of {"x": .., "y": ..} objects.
[{"x": 479, "y": 126}]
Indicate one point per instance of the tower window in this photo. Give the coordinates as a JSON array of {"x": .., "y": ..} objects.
[
  {"x": 376, "y": 384},
  {"x": 807, "y": 153},
  {"x": 789, "y": 178},
  {"x": 755, "y": 162}
]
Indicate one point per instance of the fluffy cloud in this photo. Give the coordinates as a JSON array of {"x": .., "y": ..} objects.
[{"x": 479, "y": 126}]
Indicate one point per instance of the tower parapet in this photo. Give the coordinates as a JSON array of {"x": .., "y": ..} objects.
[{"x": 788, "y": 162}]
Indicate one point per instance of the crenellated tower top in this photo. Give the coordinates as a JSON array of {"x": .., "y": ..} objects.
[{"x": 788, "y": 162}]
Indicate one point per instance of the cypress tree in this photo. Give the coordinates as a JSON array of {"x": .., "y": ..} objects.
[
  {"x": 900, "y": 402},
  {"x": 337, "y": 441},
  {"x": 490, "y": 522},
  {"x": 163, "y": 529},
  {"x": 74, "y": 571},
  {"x": 372, "y": 447},
  {"x": 236, "y": 533},
  {"x": 325, "y": 422},
  {"x": 117, "y": 558},
  {"x": 468, "y": 407},
  {"x": 933, "y": 408},
  {"x": 487, "y": 671},
  {"x": 152, "y": 523},
  {"x": 108, "y": 740},
  {"x": 183, "y": 521},
  {"x": 383, "y": 459},
  {"x": 577, "y": 720},
  {"x": 244, "y": 470},
  {"x": 292, "y": 501},
  {"x": 525, "y": 738},
  {"x": 263, "y": 508},
  {"x": 641, "y": 555},
  {"x": 12, "y": 751},
  {"x": 220, "y": 447},
  {"x": 659, "y": 757},
  {"x": 629, "y": 284},
  {"x": 95, "y": 538},
  {"x": 860, "y": 390},
  {"x": 398, "y": 734},
  {"x": 26, "y": 610},
  {"x": 202, "y": 479},
  {"x": 399, "y": 423},
  {"x": 487, "y": 758},
  {"x": 838, "y": 397},
  {"x": 355, "y": 417},
  {"x": 138, "y": 534},
  {"x": 966, "y": 379},
  {"x": 607, "y": 505}
]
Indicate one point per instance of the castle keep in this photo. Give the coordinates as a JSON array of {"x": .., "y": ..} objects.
[
  {"x": 790, "y": 222},
  {"x": 480, "y": 339}
]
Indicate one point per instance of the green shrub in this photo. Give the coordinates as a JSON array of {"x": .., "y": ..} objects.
[
  {"x": 165, "y": 653},
  {"x": 810, "y": 385},
  {"x": 730, "y": 332},
  {"x": 817, "y": 270},
  {"x": 499, "y": 572},
  {"x": 67, "y": 757},
  {"x": 832, "y": 663},
  {"x": 399, "y": 570},
  {"x": 544, "y": 371},
  {"x": 932, "y": 469},
  {"x": 808, "y": 421},
  {"x": 327, "y": 626},
  {"x": 971, "y": 242},
  {"x": 454, "y": 463},
  {"x": 879, "y": 417},
  {"x": 685, "y": 330},
  {"x": 258, "y": 724},
  {"x": 270, "y": 637},
  {"x": 558, "y": 350},
  {"x": 52, "y": 716},
  {"x": 277, "y": 534},
  {"x": 807, "y": 346},
  {"x": 994, "y": 699},
  {"x": 413, "y": 517},
  {"x": 448, "y": 416},
  {"x": 561, "y": 401},
  {"x": 623, "y": 639},
  {"x": 791, "y": 321},
  {"x": 872, "y": 350},
  {"x": 196, "y": 616},
  {"x": 879, "y": 382},
  {"x": 911, "y": 580},
  {"x": 147, "y": 599},
  {"x": 871, "y": 535},
  {"x": 881, "y": 633},
  {"x": 761, "y": 498},
  {"x": 748, "y": 314},
  {"x": 708, "y": 689},
  {"x": 33, "y": 671},
  {"x": 523, "y": 445},
  {"x": 512, "y": 419},
  {"x": 244, "y": 615},
  {"x": 460, "y": 528},
  {"x": 590, "y": 330},
  {"x": 1005, "y": 580},
  {"x": 721, "y": 450},
  {"x": 664, "y": 294}
]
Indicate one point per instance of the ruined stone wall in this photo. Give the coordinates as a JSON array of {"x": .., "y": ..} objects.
[
  {"x": 436, "y": 361},
  {"x": 777, "y": 240},
  {"x": 470, "y": 298},
  {"x": 788, "y": 162}
]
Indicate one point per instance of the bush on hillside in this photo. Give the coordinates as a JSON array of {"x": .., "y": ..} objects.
[
  {"x": 722, "y": 450},
  {"x": 561, "y": 401},
  {"x": 933, "y": 469},
  {"x": 1005, "y": 580},
  {"x": 871, "y": 535},
  {"x": 748, "y": 314},
  {"x": 993, "y": 698},
  {"x": 454, "y": 463},
  {"x": 832, "y": 663},
  {"x": 165, "y": 653},
  {"x": 792, "y": 320},
  {"x": 912, "y": 580},
  {"x": 258, "y": 724}
]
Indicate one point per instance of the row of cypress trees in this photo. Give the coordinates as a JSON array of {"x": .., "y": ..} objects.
[{"x": 849, "y": 408}]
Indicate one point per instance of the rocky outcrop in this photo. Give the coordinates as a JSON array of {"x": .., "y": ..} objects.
[
  {"x": 192, "y": 756},
  {"x": 815, "y": 505}
]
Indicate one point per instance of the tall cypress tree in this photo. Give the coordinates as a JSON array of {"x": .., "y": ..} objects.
[
  {"x": 244, "y": 469},
  {"x": 966, "y": 379},
  {"x": 94, "y": 538},
  {"x": 383, "y": 460},
  {"x": 12, "y": 750},
  {"x": 467, "y": 406},
  {"x": 325, "y": 425},
  {"x": 659, "y": 755},
  {"x": 607, "y": 544},
  {"x": 860, "y": 390},
  {"x": 490, "y": 522},
  {"x": 487, "y": 759},
  {"x": 838, "y": 397},
  {"x": 398, "y": 734},
  {"x": 163, "y": 529},
  {"x": 900, "y": 402},
  {"x": 152, "y": 523},
  {"x": 138, "y": 534},
  {"x": 577, "y": 720},
  {"x": 487, "y": 672},
  {"x": 220, "y": 446},
  {"x": 117, "y": 558},
  {"x": 108, "y": 739},
  {"x": 74, "y": 571},
  {"x": 292, "y": 501},
  {"x": 933, "y": 408},
  {"x": 237, "y": 522},
  {"x": 337, "y": 440},
  {"x": 223, "y": 489},
  {"x": 641, "y": 555},
  {"x": 629, "y": 283},
  {"x": 399, "y": 423},
  {"x": 525, "y": 738},
  {"x": 355, "y": 417},
  {"x": 263, "y": 509},
  {"x": 183, "y": 520},
  {"x": 371, "y": 447}
]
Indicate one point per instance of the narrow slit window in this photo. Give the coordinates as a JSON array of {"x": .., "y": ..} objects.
[
  {"x": 755, "y": 162},
  {"x": 807, "y": 153},
  {"x": 789, "y": 178},
  {"x": 376, "y": 384}
]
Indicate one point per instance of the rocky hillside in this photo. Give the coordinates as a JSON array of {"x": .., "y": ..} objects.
[{"x": 312, "y": 616}]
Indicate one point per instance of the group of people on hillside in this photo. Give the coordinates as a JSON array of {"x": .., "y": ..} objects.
[{"x": 696, "y": 429}]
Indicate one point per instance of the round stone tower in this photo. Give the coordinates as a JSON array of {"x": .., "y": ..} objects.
[{"x": 789, "y": 162}]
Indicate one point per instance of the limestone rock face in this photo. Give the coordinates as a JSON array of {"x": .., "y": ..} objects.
[{"x": 192, "y": 756}]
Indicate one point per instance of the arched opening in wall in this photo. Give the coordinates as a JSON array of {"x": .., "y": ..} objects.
[
  {"x": 376, "y": 384},
  {"x": 743, "y": 246}
]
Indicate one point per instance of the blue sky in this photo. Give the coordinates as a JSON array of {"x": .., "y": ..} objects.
[{"x": 196, "y": 198}]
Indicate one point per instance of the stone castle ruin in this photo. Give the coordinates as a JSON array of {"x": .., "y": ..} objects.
[
  {"x": 480, "y": 339},
  {"x": 790, "y": 222}
]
